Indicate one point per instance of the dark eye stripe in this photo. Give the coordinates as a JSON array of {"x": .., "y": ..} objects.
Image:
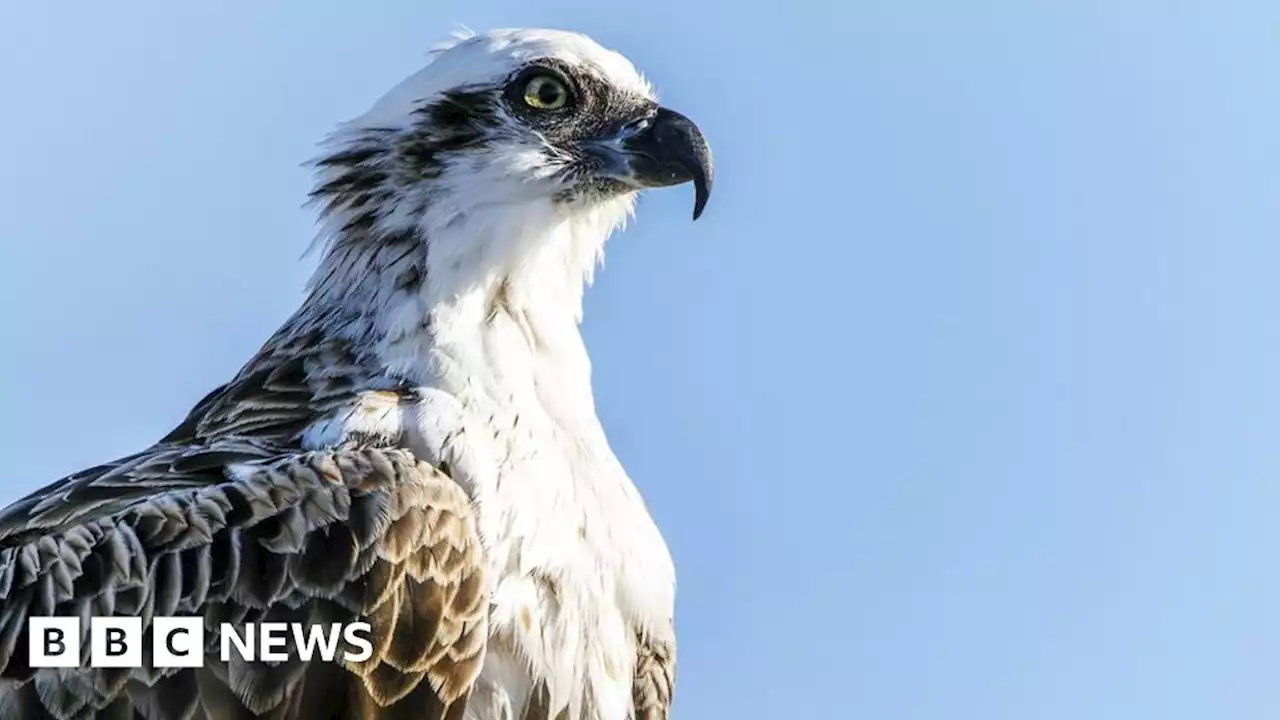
[{"x": 591, "y": 106}]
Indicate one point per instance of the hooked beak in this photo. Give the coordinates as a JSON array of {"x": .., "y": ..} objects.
[{"x": 660, "y": 150}]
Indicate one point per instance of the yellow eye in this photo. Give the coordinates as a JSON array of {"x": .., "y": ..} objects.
[{"x": 545, "y": 92}]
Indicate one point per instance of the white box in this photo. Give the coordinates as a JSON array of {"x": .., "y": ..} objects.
[
  {"x": 58, "y": 634},
  {"x": 115, "y": 642},
  {"x": 177, "y": 641}
]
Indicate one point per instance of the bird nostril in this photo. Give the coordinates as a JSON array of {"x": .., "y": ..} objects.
[{"x": 635, "y": 126}]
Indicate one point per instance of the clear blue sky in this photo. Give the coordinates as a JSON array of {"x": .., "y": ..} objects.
[{"x": 961, "y": 402}]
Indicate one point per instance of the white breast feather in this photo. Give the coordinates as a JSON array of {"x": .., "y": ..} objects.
[{"x": 510, "y": 410}]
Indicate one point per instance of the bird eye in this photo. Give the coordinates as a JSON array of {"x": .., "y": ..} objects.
[{"x": 545, "y": 92}]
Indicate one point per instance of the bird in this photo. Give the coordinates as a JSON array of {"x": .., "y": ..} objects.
[{"x": 416, "y": 447}]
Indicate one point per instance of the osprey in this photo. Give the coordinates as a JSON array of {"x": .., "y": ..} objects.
[{"x": 417, "y": 447}]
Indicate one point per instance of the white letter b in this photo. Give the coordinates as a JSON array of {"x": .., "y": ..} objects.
[
  {"x": 115, "y": 642},
  {"x": 53, "y": 642}
]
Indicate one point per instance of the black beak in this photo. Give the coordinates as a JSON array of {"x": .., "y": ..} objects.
[{"x": 671, "y": 150}]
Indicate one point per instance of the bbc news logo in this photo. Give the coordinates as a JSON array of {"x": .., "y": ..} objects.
[{"x": 177, "y": 642}]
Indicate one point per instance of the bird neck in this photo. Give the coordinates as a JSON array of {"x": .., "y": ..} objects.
[{"x": 495, "y": 299}]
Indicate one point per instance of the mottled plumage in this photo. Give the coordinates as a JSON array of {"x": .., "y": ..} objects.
[{"x": 417, "y": 447}]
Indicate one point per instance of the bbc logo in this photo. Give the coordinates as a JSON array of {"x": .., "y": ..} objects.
[
  {"x": 116, "y": 642},
  {"x": 176, "y": 642}
]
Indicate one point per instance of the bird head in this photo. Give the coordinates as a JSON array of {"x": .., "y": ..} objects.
[{"x": 506, "y": 131}]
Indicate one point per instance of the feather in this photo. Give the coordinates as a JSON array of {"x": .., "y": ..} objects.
[
  {"x": 416, "y": 448},
  {"x": 177, "y": 571}
]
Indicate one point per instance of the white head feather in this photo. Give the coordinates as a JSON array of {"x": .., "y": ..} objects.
[{"x": 493, "y": 216}]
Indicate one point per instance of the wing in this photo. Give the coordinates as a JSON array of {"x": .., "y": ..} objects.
[
  {"x": 298, "y": 377},
  {"x": 237, "y": 531},
  {"x": 655, "y": 679}
]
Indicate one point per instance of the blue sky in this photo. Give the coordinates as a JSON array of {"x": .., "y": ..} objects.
[{"x": 960, "y": 402}]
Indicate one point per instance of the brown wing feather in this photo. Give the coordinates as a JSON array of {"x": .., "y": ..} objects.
[
  {"x": 326, "y": 537},
  {"x": 655, "y": 680},
  {"x": 298, "y": 376}
]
